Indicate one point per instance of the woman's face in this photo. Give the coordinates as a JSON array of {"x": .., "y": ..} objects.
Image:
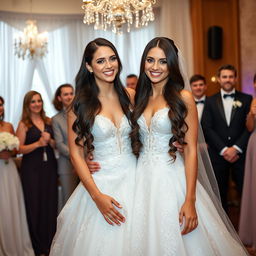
[
  {"x": 104, "y": 65},
  {"x": 36, "y": 104},
  {"x": 1, "y": 108},
  {"x": 156, "y": 66}
]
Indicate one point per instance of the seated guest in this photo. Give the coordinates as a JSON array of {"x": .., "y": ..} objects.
[
  {"x": 131, "y": 81},
  {"x": 247, "y": 225},
  {"x": 68, "y": 178},
  {"x": 38, "y": 172},
  {"x": 198, "y": 86},
  {"x": 14, "y": 235}
]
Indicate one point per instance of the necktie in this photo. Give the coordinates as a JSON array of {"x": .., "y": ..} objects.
[
  {"x": 232, "y": 95},
  {"x": 200, "y": 102}
]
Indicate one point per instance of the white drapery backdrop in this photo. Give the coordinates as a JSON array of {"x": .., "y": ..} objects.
[{"x": 67, "y": 37}]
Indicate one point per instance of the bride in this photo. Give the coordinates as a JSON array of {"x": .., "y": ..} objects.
[
  {"x": 96, "y": 219},
  {"x": 172, "y": 214}
]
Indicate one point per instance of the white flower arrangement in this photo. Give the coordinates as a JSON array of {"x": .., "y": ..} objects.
[
  {"x": 237, "y": 104},
  {"x": 8, "y": 141}
]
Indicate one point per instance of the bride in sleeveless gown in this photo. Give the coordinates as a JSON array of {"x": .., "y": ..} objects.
[
  {"x": 96, "y": 219},
  {"x": 172, "y": 214},
  {"x": 14, "y": 235}
]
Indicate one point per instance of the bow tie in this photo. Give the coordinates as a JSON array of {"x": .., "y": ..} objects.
[
  {"x": 232, "y": 95},
  {"x": 200, "y": 102}
]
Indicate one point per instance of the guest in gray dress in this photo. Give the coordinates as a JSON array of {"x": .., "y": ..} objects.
[
  {"x": 67, "y": 176},
  {"x": 247, "y": 225}
]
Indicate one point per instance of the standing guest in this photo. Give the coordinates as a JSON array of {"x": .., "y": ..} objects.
[
  {"x": 38, "y": 172},
  {"x": 68, "y": 178},
  {"x": 223, "y": 122},
  {"x": 14, "y": 235},
  {"x": 198, "y": 87},
  {"x": 131, "y": 81},
  {"x": 247, "y": 225}
]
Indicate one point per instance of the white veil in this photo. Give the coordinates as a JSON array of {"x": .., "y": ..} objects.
[{"x": 206, "y": 175}]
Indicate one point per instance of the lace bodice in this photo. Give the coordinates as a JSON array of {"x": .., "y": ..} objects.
[
  {"x": 110, "y": 141},
  {"x": 155, "y": 138}
]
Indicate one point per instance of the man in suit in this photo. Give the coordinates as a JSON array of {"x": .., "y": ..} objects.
[
  {"x": 67, "y": 176},
  {"x": 198, "y": 87},
  {"x": 223, "y": 122}
]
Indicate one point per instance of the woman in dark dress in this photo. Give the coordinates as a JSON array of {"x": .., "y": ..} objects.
[{"x": 38, "y": 172}]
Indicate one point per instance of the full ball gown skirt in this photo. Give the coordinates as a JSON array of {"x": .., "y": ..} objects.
[
  {"x": 247, "y": 224},
  {"x": 159, "y": 195},
  {"x": 39, "y": 182},
  {"x": 81, "y": 228},
  {"x": 14, "y": 235}
]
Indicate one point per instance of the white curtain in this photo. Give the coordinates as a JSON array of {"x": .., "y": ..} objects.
[{"x": 67, "y": 37}]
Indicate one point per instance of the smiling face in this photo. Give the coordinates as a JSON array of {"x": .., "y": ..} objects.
[
  {"x": 198, "y": 88},
  {"x": 156, "y": 67},
  {"x": 66, "y": 96},
  {"x": 227, "y": 79},
  {"x": 36, "y": 104},
  {"x": 104, "y": 65}
]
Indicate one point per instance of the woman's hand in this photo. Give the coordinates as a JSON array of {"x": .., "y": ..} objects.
[
  {"x": 188, "y": 217},
  {"x": 5, "y": 154},
  {"x": 46, "y": 136},
  {"x": 42, "y": 142},
  {"x": 106, "y": 205},
  {"x": 93, "y": 166}
]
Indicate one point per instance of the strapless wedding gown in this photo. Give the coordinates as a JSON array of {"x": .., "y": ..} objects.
[
  {"x": 14, "y": 235},
  {"x": 159, "y": 195},
  {"x": 81, "y": 228}
]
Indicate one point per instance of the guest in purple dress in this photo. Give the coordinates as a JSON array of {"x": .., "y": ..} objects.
[{"x": 247, "y": 225}]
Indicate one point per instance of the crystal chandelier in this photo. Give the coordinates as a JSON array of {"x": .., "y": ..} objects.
[
  {"x": 116, "y": 13},
  {"x": 31, "y": 44}
]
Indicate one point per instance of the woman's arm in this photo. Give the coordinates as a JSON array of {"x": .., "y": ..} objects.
[
  {"x": 251, "y": 116},
  {"x": 21, "y": 134},
  {"x": 104, "y": 202},
  {"x": 188, "y": 210}
]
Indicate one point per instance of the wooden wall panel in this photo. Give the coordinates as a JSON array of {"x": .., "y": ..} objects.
[{"x": 207, "y": 13}]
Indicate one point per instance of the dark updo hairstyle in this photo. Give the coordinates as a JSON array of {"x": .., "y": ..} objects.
[
  {"x": 171, "y": 93},
  {"x": 58, "y": 104},
  {"x": 2, "y": 102},
  {"x": 86, "y": 104}
]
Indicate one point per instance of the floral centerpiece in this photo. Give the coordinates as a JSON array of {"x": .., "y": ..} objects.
[{"x": 8, "y": 142}]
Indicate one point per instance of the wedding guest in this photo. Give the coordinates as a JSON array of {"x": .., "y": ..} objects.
[
  {"x": 247, "y": 225},
  {"x": 67, "y": 176},
  {"x": 225, "y": 132},
  {"x": 131, "y": 81},
  {"x": 198, "y": 87},
  {"x": 38, "y": 172},
  {"x": 14, "y": 235}
]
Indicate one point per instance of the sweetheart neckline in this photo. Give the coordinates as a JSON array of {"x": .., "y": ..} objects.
[
  {"x": 152, "y": 118},
  {"x": 111, "y": 122}
]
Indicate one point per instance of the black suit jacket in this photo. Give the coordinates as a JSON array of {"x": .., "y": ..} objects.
[{"x": 216, "y": 131}]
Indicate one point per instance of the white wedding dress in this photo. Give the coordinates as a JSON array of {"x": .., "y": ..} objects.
[
  {"x": 81, "y": 228},
  {"x": 14, "y": 235},
  {"x": 159, "y": 195}
]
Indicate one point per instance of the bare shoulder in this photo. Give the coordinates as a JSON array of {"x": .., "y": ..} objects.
[
  {"x": 22, "y": 126},
  {"x": 187, "y": 97},
  {"x": 6, "y": 126}
]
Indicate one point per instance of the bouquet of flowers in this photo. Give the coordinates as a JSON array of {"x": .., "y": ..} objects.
[{"x": 8, "y": 142}]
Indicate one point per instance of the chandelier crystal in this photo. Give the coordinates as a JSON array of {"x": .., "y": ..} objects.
[
  {"x": 117, "y": 13},
  {"x": 31, "y": 44}
]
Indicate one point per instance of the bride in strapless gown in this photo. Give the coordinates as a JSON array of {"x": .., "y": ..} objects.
[{"x": 89, "y": 223}]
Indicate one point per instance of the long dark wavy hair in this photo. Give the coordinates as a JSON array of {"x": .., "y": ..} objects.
[
  {"x": 171, "y": 92},
  {"x": 2, "y": 116},
  {"x": 86, "y": 104}
]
